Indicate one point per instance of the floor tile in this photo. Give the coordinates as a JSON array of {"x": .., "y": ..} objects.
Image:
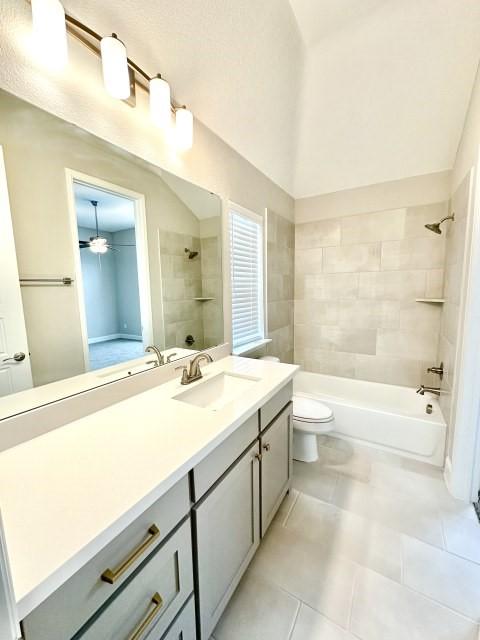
[
  {"x": 415, "y": 485},
  {"x": 462, "y": 536},
  {"x": 385, "y": 610},
  {"x": 411, "y": 515},
  {"x": 348, "y": 534},
  {"x": 312, "y": 479},
  {"x": 442, "y": 576},
  {"x": 345, "y": 462},
  {"x": 257, "y": 611},
  {"x": 308, "y": 571},
  {"x": 311, "y": 625}
]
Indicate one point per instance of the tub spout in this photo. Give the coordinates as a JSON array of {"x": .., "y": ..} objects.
[{"x": 423, "y": 388}]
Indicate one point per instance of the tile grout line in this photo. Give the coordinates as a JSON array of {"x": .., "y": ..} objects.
[
  {"x": 352, "y": 599},
  {"x": 297, "y": 613}
]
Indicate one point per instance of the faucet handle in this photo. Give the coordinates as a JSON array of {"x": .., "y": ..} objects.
[{"x": 185, "y": 378}]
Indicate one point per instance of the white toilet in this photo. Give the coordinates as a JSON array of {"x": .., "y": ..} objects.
[{"x": 310, "y": 419}]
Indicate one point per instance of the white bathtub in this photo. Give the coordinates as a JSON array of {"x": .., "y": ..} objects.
[{"x": 385, "y": 416}]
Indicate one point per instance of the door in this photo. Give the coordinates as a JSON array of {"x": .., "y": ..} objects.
[
  {"x": 276, "y": 444},
  {"x": 15, "y": 372},
  {"x": 227, "y": 530}
]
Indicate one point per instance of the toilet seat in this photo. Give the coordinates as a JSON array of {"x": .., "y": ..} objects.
[{"x": 310, "y": 410}]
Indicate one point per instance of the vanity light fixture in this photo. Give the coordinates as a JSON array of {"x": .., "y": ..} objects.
[
  {"x": 120, "y": 74},
  {"x": 160, "y": 101},
  {"x": 115, "y": 67},
  {"x": 184, "y": 128},
  {"x": 50, "y": 33}
]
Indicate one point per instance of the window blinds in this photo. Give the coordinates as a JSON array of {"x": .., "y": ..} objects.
[{"x": 246, "y": 242}]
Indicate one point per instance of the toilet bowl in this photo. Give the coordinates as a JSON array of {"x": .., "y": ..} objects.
[{"x": 310, "y": 419}]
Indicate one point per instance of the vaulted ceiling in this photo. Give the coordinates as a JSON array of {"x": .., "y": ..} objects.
[{"x": 320, "y": 95}]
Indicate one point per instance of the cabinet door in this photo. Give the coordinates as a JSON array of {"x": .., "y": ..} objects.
[
  {"x": 227, "y": 531},
  {"x": 183, "y": 627},
  {"x": 276, "y": 447}
]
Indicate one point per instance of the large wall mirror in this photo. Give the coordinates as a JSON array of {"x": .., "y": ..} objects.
[{"x": 113, "y": 254}]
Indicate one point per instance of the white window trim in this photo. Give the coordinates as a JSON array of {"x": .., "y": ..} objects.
[{"x": 259, "y": 219}]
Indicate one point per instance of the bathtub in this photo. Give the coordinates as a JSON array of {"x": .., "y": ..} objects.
[{"x": 382, "y": 415}]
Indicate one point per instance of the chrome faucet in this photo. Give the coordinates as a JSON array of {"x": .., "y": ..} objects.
[
  {"x": 193, "y": 372},
  {"x": 437, "y": 370},
  {"x": 160, "y": 359},
  {"x": 423, "y": 388}
]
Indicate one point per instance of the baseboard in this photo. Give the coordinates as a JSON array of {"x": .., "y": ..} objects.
[{"x": 115, "y": 336}]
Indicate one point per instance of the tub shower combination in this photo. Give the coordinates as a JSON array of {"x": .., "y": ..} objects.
[{"x": 388, "y": 417}]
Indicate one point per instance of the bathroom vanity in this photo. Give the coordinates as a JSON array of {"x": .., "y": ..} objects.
[{"x": 139, "y": 520}]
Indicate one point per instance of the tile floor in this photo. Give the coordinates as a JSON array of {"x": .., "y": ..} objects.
[{"x": 367, "y": 546}]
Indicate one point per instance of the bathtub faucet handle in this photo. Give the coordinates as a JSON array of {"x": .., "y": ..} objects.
[
  {"x": 437, "y": 370},
  {"x": 421, "y": 390}
]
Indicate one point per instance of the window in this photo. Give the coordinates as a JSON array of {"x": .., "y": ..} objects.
[{"x": 246, "y": 255}]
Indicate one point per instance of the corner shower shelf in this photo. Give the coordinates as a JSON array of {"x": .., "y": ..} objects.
[
  {"x": 433, "y": 300},
  {"x": 203, "y": 299}
]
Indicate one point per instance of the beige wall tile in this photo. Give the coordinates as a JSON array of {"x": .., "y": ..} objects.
[
  {"x": 373, "y": 227},
  {"x": 409, "y": 345},
  {"x": 308, "y": 261},
  {"x": 421, "y": 316},
  {"x": 352, "y": 258},
  {"x": 389, "y": 370},
  {"x": 418, "y": 217},
  {"x": 334, "y": 363},
  {"x": 435, "y": 280},
  {"x": 325, "y": 233},
  {"x": 414, "y": 253},
  {"x": 368, "y": 314},
  {"x": 331, "y": 286},
  {"x": 325, "y": 313},
  {"x": 334, "y": 338},
  {"x": 392, "y": 285}
]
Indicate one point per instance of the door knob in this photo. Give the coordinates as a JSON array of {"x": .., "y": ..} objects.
[{"x": 17, "y": 357}]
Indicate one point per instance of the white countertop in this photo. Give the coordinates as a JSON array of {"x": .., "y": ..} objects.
[{"x": 68, "y": 493}]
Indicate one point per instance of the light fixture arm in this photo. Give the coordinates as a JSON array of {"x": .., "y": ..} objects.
[{"x": 86, "y": 35}]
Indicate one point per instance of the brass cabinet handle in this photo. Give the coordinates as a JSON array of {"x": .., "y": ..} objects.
[
  {"x": 111, "y": 576},
  {"x": 149, "y": 618},
  {"x": 266, "y": 446},
  {"x": 258, "y": 456}
]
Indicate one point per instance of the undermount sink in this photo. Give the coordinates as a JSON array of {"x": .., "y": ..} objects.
[{"x": 218, "y": 391}]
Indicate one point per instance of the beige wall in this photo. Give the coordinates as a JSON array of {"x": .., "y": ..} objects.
[
  {"x": 38, "y": 147},
  {"x": 280, "y": 286},
  {"x": 357, "y": 279}
]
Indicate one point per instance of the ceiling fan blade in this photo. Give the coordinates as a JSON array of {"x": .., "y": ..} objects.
[{"x": 118, "y": 244}]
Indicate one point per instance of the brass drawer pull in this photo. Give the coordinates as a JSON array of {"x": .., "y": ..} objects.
[
  {"x": 111, "y": 576},
  {"x": 149, "y": 618},
  {"x": 266, "y": 446}
]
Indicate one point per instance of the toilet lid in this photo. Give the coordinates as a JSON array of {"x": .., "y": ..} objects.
[{"x": 310, "y": 410}]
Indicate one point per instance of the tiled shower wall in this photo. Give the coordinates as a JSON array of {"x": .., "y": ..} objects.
[
  {"x": 181, "y": 282},
  {"x": 212, "y": 284},
  {"x": 357, "y": 279},
  {"x": 280, "y": 281},
  {"x": 451, "y": 312}
]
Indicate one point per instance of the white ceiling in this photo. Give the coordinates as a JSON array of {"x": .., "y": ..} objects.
[
  {"x": 115, "y": 213},
  {"x": 385, "y": 96},
  {"x": 235, "y": 63},
  {"x": 320, "y": 95},
  {"x": 318, "y": 19}
]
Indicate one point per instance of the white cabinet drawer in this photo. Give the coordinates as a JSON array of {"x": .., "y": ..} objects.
[
  {"x": 216, "y": 463},
  {"x": 62, "y": 614},
  {"x": 273, "y": 407},
  {"x": 149, "y": 602}
]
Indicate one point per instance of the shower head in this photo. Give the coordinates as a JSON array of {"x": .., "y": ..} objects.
[
  {"x": 191, "y": 254},
  {"x": 435, "y": 226}
]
